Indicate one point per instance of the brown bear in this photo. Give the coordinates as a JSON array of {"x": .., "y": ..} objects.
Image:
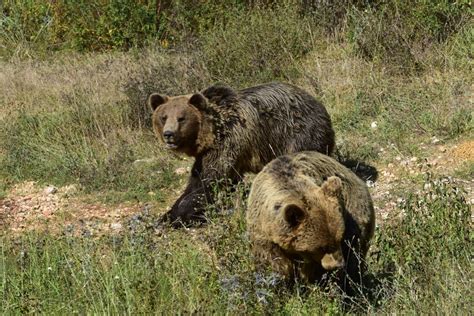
[
  {"x": 233, "y": 132},
  {"x": 308, "y": 214}
]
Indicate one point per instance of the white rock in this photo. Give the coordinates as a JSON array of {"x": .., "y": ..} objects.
[
  {"x": 434, "y": 140},
  {"x": 373, "y": 125},
  {"x": 370, "y": 183},
  {"x": 116, "y": 226},
  {"x": 51, "y": 190},
  {"x": 181, "y": 171}
]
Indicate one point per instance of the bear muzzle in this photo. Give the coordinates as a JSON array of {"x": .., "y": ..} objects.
[{"x": 169, "y": 138}]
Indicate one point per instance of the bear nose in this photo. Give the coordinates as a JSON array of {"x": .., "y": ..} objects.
[{"x": 168, "y": 134}]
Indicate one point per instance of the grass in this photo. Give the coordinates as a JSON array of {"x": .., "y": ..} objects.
[
  {"x": 80, "y": 118},
  {"x": 158, "y": 270}
]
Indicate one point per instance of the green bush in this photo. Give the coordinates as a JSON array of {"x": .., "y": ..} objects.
[{"x": 29, "y": 28}]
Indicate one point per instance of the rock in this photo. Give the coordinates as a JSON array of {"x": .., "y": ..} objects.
[
  {"x": 50, "y": 190},
  {"x": 116, "y": 226},
  {"x": 414, "y": 159},
  {"x": 434, "y": 140},
  {"x": 181, "y": 171},
  {"x": 370, "y": 183},
  {"x": 373, "y": 125}
]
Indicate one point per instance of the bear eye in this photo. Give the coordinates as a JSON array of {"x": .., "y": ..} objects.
[
  {"x": 163, "y": 118},
  {"x": 180, "y": 119}
]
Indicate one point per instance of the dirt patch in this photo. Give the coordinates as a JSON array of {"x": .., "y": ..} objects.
[
  {"x": 29, "y": 206},
  {"x": 403, "y": 175}
]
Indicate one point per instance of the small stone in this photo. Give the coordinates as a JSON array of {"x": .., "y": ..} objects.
[
  {"x": 116, "y": 226},
  {"x": 434, "y": 140},
  {"x": 414, "y": 159},
  {"x": 370, "y": 183},
  {"x": 50, "y": 190},
  {"x": 180, "y": 171},
  {"x": 373, "y": 125},
  {"x": 151, "y": 193}
]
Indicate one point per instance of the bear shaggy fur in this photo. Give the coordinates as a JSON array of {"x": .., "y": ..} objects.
[
  {"x": 307, "y": 214},
  {"x": 233, "y": 132}
]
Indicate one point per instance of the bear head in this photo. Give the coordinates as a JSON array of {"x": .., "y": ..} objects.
[
  {"x": 178, "y": 121},
  {"x": 311, "y": 221}
]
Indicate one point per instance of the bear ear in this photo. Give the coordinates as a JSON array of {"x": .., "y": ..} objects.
[
  {"x": 199, "y": 101},
  {"x": 294, "y": 215},
  {"x": 155, "y": 100},
  {"x": 332, "y": 186}
]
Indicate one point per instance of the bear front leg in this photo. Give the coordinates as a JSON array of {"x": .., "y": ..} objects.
[
  {"x": 190, "y": 205},
  {"x": 208, "y": 170}
]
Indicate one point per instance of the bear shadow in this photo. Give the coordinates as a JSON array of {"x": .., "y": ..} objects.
[
  {"x": 363, "y": 170},
  {"x": 376, "y": 289}
]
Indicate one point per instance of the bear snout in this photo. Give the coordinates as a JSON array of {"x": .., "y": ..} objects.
[
  {"x": 170, "y": 139},
  {"x": 168, "y": 135}
]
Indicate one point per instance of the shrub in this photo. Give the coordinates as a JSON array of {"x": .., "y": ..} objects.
[
  {"x": 258, "y": 45},
  {"x": 34, "y": 27},
  {"x": 399, "y": 32}
]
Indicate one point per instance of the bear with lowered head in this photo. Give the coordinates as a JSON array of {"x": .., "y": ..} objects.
[
  {"x": 307, "y": 215},
  {"x": 231, "y": 132}
]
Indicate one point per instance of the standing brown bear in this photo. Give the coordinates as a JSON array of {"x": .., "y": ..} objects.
[
  {"x": 232, "y": 132},
  {"x": 307, "y": 214}
]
